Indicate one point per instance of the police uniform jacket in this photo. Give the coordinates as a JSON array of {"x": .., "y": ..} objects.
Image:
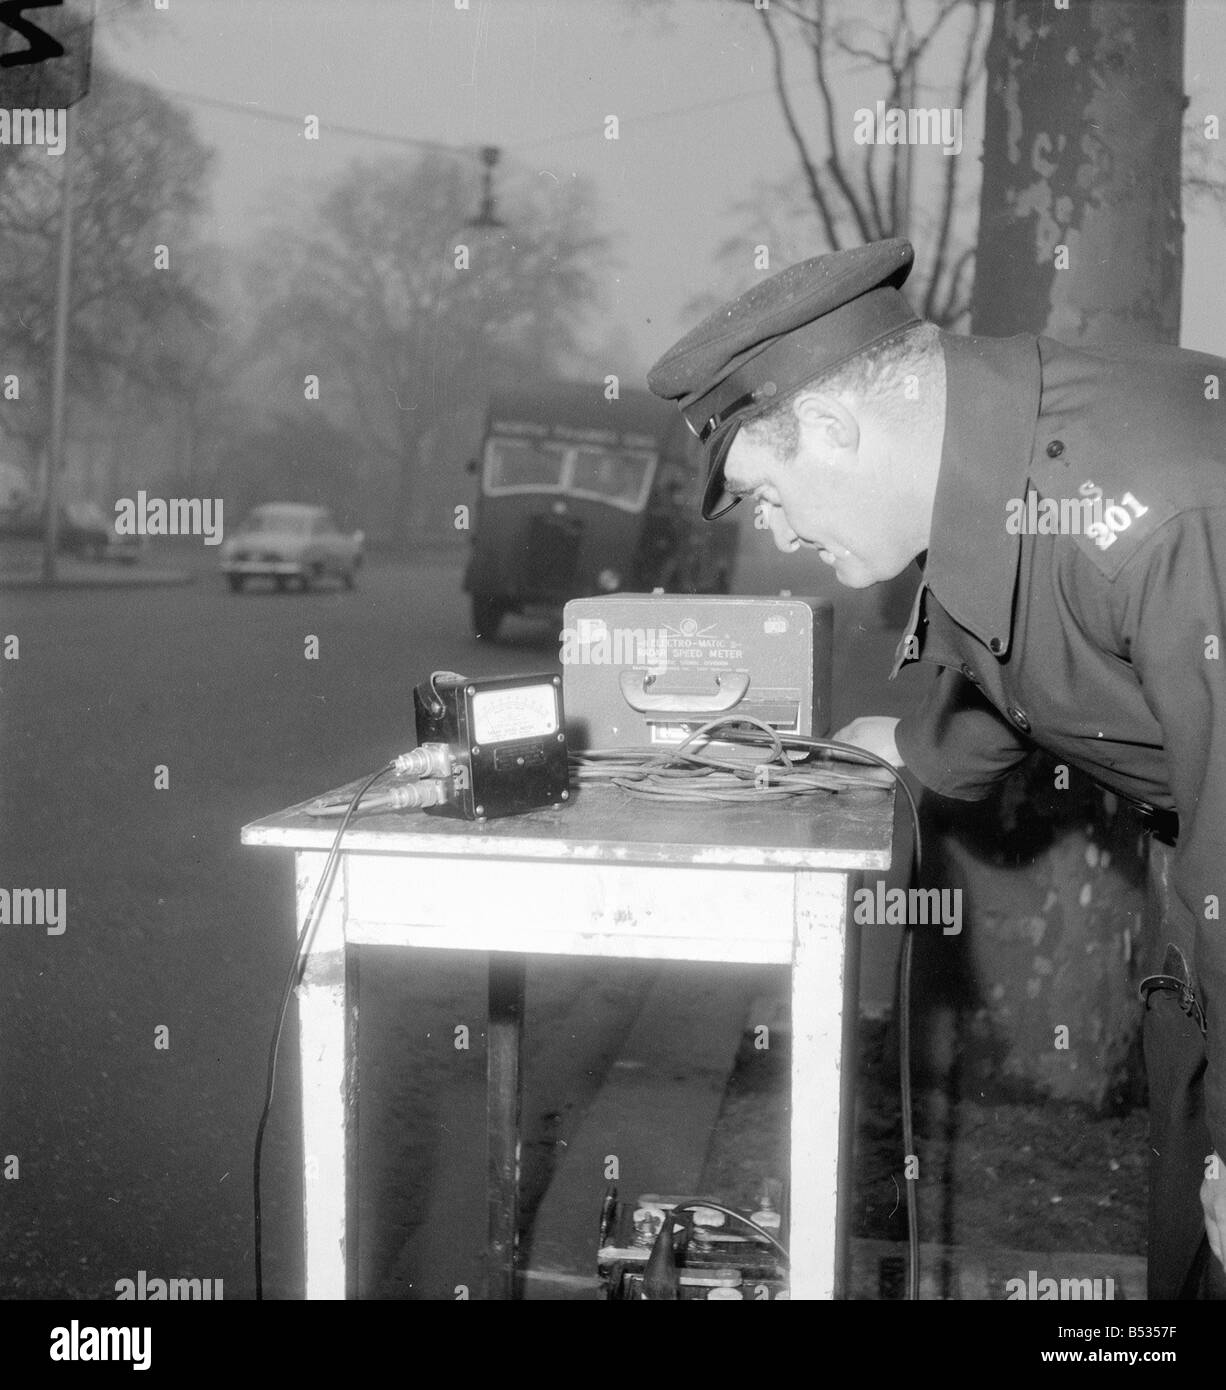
[{"x": 1101, "y": 639}]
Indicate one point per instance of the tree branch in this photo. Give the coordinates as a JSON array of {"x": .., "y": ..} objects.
[
  {"x": 834, "y": 163},
  {"x": 966, "y": 79},
  {"x": 816, "y": 191}
]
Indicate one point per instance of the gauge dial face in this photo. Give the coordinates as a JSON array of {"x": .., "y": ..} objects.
[{"x": 524, "y": 711}]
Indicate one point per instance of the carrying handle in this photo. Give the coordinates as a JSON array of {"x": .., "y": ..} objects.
[{"x": 730, "y": 689}]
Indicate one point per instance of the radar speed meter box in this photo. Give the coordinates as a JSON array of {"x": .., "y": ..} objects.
[{"x": 646, "y": 670}]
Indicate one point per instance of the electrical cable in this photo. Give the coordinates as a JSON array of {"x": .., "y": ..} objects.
[
  {"x": 701, "y": 778},
  {"x": 904, "y": 1022},
  {"x": 908, "y": 1122},
  {"x": 593, "y": 132},
  {"x": 694, "y": 1203},
  {"x": 292, "y": 979},
  {"x": 427, "y": 791},
  {"x": 704, "y": 778},
  {"x": 426, "y": 772}
]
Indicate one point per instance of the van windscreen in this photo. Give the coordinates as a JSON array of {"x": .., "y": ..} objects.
[
  {"x": 620, "y": 478},
  {"x": 527, "y": 463}
]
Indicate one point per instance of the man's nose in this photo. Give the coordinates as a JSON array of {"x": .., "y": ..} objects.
[{"x": 785, "y": 538}]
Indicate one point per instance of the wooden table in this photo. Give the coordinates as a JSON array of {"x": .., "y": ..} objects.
[{"x": 609, "y": 874}]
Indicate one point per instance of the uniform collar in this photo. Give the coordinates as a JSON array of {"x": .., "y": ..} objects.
[{"x": 993, "y": 387}]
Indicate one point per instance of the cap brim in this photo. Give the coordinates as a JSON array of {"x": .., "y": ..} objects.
[{"x": 716, "y": 499}]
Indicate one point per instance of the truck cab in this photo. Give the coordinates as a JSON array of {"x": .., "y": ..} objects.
[{"x": 582, "y": 495}]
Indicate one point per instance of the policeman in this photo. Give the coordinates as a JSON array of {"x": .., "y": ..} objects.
[{"x": 1068, "y": 510}]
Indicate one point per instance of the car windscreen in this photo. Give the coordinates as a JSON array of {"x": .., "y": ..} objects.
[{"x": 619, "y": 477}]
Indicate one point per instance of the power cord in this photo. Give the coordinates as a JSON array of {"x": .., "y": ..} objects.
[
  {"x": 698, "y": 1203},
  {"x": 291, "y": 981},
  {"x": 647, "y": 772},
  {"x": 660, "y": 1275},
  {"x": 427, "y": 770},
  {"x": 690, "y": 773}
]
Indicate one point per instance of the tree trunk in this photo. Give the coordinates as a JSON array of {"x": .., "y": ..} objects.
[
  {"x": 1082, "y": 148},
  {"x": 1080, "y": 239}
]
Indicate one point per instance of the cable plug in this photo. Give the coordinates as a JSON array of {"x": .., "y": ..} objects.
[
  {"x": 430, "y": 760},
  {"x": 661, "y": 1281},
  {"x": 428, "y": 792}
]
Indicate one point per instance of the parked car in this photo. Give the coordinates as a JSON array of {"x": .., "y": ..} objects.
[
  {"x": 285, "y": 541},
  {"x": 84, "y": 530}
]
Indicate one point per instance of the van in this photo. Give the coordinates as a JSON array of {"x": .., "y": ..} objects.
[{"x": 583, "y": 495}]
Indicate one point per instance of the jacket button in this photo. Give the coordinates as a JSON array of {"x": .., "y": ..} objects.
[
  {"x": 1055, "y": 449},
  {"x": 1019, "y": 718},
  {"x": 969, "y": 674},
  {"x": 996, "y": 646}
]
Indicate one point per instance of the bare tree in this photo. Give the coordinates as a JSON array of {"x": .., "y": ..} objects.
[
  {"x": 888, "y": 50},
  {"x": 139, "y": 179},
  {"x": 410, "y": 314}
]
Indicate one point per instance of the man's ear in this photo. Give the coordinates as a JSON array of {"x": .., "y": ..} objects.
[{"x": 828, "y": 420}]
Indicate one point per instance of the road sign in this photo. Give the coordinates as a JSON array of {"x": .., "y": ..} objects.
[{"x": 44, "y": 53}]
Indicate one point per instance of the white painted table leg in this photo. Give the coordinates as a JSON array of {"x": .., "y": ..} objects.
[
  {"x": 817, "y": 1037},
  {"x": 329, "y": 1110}
]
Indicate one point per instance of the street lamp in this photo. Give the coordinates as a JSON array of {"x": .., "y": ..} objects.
[{"x": 490, "y": 154}]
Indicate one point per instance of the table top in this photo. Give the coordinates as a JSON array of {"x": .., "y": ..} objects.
[{"x": 847, "y": 830}]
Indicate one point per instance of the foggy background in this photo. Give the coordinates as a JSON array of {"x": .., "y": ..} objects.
[{"x": 288, "y": 258}]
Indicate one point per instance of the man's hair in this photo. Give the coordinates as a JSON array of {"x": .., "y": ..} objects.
[{"x": 876, "y": 377}]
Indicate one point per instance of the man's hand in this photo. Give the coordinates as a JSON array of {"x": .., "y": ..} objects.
[
  {"x": 1213, "y": 1199},
  {"x": 874, "y": 732}
]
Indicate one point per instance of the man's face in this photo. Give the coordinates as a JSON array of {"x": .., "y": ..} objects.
[{"x": 834, "y": 495}]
